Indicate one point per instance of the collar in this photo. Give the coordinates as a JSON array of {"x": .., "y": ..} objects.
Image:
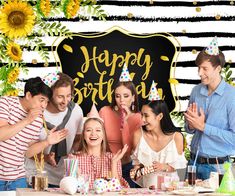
[{"x": 219, "y": 90}]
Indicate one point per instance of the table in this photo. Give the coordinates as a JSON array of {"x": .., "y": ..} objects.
[
  {"x": 130, "y": 191},
  {"x": 53, "y": 192}
]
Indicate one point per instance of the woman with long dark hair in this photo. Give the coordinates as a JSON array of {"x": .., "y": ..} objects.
[{"x": 158, "y": 146}]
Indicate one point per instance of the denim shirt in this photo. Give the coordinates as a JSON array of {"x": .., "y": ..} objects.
[{"x": 218, "y": 137}]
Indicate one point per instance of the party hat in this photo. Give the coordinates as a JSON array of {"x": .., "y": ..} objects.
[
  {"x": 213, "y": 48},
  {"x": 153, "y": 94},
  {"x": 93, "y": 114},
  {"x": 228, "y": 182},
  {"x": 51, "y": 78},
  {"x": 125, "y": 76}
]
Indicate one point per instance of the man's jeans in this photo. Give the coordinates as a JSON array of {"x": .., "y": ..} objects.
[{"x": 13, "y": 185}]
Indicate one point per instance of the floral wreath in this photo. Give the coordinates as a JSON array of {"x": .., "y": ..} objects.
[{"x": 23, "y": 23}]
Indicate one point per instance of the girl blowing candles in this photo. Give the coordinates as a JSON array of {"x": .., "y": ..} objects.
[
  {"x": 94, "y": 156},
  {"x": 159, "y": 145}
]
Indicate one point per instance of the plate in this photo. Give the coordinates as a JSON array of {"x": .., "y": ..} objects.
[{"x": 184, "y": 192}]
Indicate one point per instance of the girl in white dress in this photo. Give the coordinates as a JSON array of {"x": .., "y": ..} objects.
[{"x": 158, "y": 146}]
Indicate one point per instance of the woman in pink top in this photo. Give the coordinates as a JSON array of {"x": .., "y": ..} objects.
[{"x": 121, "y": 118}]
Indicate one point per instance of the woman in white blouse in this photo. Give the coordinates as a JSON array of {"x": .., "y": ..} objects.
[{"x": 158, "y": 146}]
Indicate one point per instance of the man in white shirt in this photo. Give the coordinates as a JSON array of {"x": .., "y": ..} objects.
[{"x": 60, "y": 112}]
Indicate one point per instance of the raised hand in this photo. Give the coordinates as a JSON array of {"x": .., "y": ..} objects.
[
  {"x": 50, "y": 159},
  {"x": 55, "y": 137},
  {"x": 195, "y": 119},
  {"x": 158, "y": 166},
  {"x": 118, "y": 156},
  {"x": 33, "y": 114},
  {"x": 126, "y": 112}
]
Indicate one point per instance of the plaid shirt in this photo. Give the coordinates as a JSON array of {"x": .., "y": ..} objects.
[{"x": 98, "y": 167}]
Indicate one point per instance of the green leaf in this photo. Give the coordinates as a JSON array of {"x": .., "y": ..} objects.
[
  {"x": 53, "y": 25},
  {"x": 229, "y": 74}
]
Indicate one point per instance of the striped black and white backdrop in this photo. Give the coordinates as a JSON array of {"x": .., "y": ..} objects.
[{"x": 192, "y": 23}]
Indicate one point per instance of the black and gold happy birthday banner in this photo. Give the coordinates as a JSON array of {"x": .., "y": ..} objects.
[{"x": 95, "y": 62}]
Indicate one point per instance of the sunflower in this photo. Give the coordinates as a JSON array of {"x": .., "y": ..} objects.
[
  {"x": 14, "y": 51},
  {"x": 44, "y": 7},
  {"x": 11, "y": 92},
  {"x": 71, "y": 8},
  {"x": 13, "y": 75},
  {"x": 16, "y": 19}
]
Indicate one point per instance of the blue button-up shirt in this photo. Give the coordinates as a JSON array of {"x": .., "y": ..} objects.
[{"x": 218, "y": 137}]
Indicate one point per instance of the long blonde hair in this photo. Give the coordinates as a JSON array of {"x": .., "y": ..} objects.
[{"x": 104, "y": 145}]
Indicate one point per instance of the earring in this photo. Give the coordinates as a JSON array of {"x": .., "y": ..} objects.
[
  {"x": 116, "y": 108},
  {"x": 132, "y": 106}
]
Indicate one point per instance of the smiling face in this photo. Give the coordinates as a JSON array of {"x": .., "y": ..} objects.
[
  {"x": 123, "y": 97},
  {"x": 209, "y": 75},
  {"x": 61, "y": 98},
  {"x": 150, "y": 119},
  {"x": 93, "y": 133}
]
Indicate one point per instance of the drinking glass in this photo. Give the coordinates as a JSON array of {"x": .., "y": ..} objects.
[
  {"x": 84, "y": 189},
  {"x": 191, "y": 174}
]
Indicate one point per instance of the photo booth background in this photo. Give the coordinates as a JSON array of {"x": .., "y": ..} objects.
[{"x": 192, "y": 23}]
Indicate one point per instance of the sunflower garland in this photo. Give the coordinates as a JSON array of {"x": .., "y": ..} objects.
[{"x": 23, "y": 22}]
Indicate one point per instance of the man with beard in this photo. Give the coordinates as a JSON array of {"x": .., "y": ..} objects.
[{"x": 60, "y": 112}]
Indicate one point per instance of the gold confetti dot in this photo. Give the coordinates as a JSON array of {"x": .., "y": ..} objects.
[
  {"x": 46, "y": 64},
  {"x": 231, "y": 2},
  {"x": 184, "y": 31},
  {"x": 151, "y": 2},
  {"x": 194, "y": 2},
  {"x": 194, "y": 51},
  {"x": 217, "y": 17},
  {"x": 230, "y": 61},
  {"x": 129, "y": 15},
  {"x": 34, "y": 61},
  {"x": 198, "y": 9}
]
